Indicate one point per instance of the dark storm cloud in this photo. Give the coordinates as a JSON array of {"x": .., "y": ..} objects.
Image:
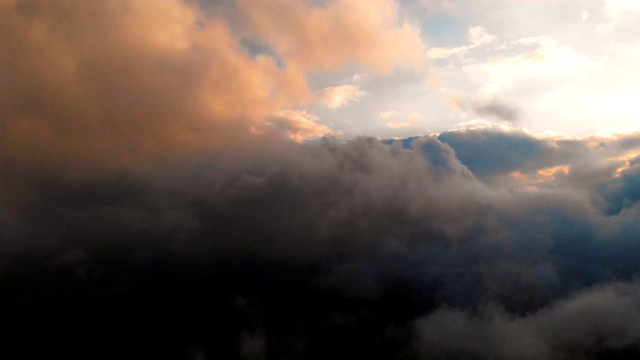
[
  {"x": 282, "y": 232},
  {"x": 327, "y": 250}
]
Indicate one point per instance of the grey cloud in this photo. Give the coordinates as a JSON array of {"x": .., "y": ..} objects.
[
  {"x": 493, "y": 153},
  {"x": 336, "y": 248},
  {"x": 592, "y": 324},
  {"x": 498, "y": 109},
  {"x": 488, "y": 153}
]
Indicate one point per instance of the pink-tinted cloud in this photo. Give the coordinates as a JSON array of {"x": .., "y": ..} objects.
[
  {"x": 119, "y": 81},
  {"x": 298, "y": 125},
  {"x": 112, "y": 83},
  {"x": 412, "y": 119},
  {"x": 339, "y": 34}
]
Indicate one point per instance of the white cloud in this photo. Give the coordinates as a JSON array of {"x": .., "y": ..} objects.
[
  {"x": 550, "y": 61},
  {"x": 479, "y": 36},
  {"x": 441, "y": 53},
  {"x": 616, "y": 8},
  {"x": 545, "y": 60},
  {"x": 616, "y": 11},
  {"x": 337, "y": 96}
]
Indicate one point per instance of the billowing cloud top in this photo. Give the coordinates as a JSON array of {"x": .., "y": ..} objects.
[
  {"x": 119, "y": 81},
  {"x": 181, "y": 179}
]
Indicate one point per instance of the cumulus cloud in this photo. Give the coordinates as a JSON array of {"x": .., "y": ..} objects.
[
  {"x": 298, "y": 125},
  {"x": 495, "y": 152},
  {"x": 113, "y": 84},
  {"x": 363, "y": 248},
  {"x": 362, "y": 32},
  {"x": 330, "y": 241}
]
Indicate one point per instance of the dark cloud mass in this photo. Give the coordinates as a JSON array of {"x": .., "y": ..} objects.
[
  {"x": 357, "y": 249},
  {"x": 152, "y": 206}
]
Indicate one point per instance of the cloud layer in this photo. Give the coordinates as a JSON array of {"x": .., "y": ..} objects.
[
  {"x": 119, "y": 82},
  {"x": 160, "y": 196},
  {"x": 331, "y": 247}
]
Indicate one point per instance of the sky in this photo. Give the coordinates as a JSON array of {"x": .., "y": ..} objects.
[{"x": 319, "y": 179}]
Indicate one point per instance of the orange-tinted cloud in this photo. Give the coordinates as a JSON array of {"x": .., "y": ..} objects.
[
  {"x": 339, "y": 34},
  {"x": 412, "y": 119},
  {"x": 118, "y": 81},
  {"x": 388, "y": 114},
  {"x": 298, "y": 125},
  {"x": 542, "y": 175},
  {"x": 455, "y": 102},
  {"x": 112, "y": 83}
]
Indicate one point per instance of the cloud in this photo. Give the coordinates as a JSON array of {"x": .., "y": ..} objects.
[
  {"x": 618, "y": 12},
  {"x": 495, "y": 152},
  {"x": 442, "y": 53},
  {"x": 399, "y": 125},
  {"x": 378, "y": 243},
  {"x": 337, "y": 96},
  {"x": 548, "y": 59},
  {"x": 414, "y": 116},
  {"x": 111, "y": 85},
  {"x": 561, "y": 330},
  {"x": 455, "y": 101},
  {"x": 499, "y": 110},
  {"x": 209, "y": 226},
  {"x": 388, "y": 114},
  {"x": 117, "y": 83},
  {"x": 412, "y": 119},
  {"x": 359, "y": 33},
  {"x": 486, "y": 106},
  {"x": 299, "y": 125},
  {"x": 478, "y": 36}
]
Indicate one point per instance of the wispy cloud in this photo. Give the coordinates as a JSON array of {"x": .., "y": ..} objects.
[
  {"x": 388, "y": 114},
  {"x": 412, "y": 119},
  {"x": 478, "y": 36}
]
